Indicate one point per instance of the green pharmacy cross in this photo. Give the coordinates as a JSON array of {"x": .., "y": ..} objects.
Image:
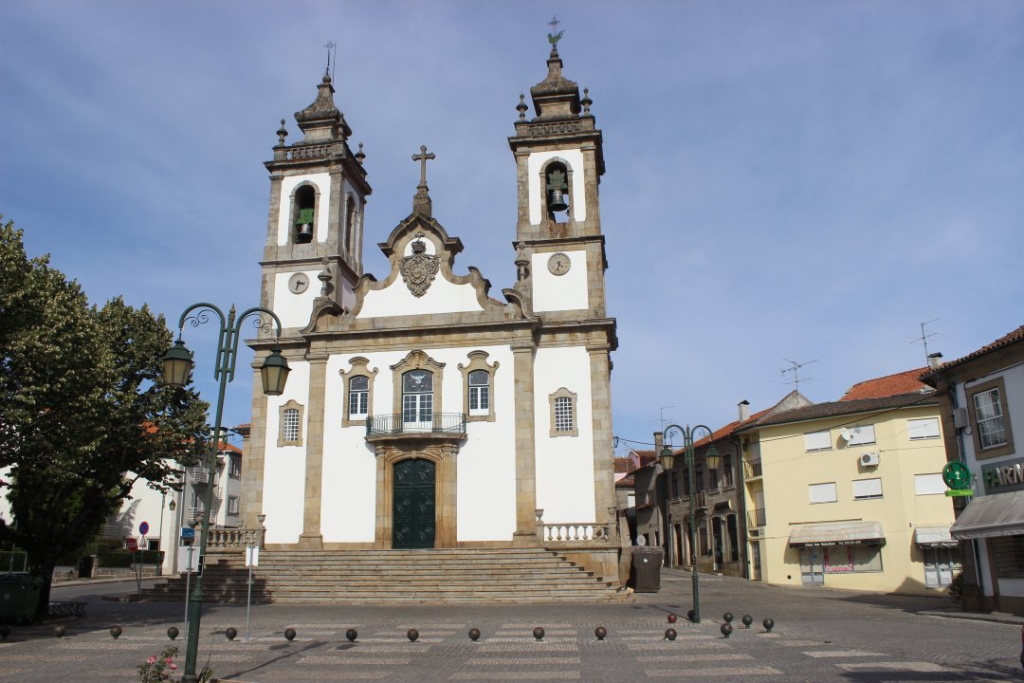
[{"x": 958, "y": 478}]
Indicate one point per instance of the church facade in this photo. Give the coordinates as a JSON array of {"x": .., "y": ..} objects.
[{"x": 424, "y": 409}]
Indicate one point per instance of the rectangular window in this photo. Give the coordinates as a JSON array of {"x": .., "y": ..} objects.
[
  {"x": 866, "y": 558},
  {"x": 818, "y": 441},
  {"x": 563, "y": 414},
  {"x": 861, "y": 436},
  {"x": 233, "y": 505},
  {"x": 358, "y": 397},
  {"x": 929, "y": 485},
  {"x": 1008, "y": 552},
  {"x": 290, "y": 428},
  {"x": 675, "y": 484},
  {"x": 822, "y": 493},
  {"x": 924, "y": 428},
  {"x": 939, "y": 566},
  {"x": 846, "y": 559},
  {"x": 235, "y": 467},
  {"x": 867, "y": 489},
  {"x": 479, "y": 393},
  {"x": 988, "y": 410},
  {"x": 727, "y": 471}
]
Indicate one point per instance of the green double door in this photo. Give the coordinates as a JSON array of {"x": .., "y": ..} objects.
[{"x": 414, "y": 518}]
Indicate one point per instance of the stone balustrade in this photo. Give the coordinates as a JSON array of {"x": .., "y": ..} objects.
[
  {"x": 233, "y": 540},
  {"x": 586, "y": 533}
]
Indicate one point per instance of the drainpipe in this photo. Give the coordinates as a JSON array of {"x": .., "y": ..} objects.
[{"x": 738, "y": 442}]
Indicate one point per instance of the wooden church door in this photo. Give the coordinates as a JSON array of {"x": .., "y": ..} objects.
[{"x": 414, "y": 522}]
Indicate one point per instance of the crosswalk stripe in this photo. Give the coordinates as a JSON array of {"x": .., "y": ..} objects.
[
  {"x": 916, "y": 667},
  {"x": 732, "y": 672}
]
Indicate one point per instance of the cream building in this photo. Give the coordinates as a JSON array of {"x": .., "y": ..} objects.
[
  {"x": 424, "y": 409},
  {"x": 849, "y": 494}
]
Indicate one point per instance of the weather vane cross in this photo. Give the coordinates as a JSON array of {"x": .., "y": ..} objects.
[
  {"x": 331, "y": 46},
  {"x": 553, "y": 37},
  {"x": 422, "y": 157}
]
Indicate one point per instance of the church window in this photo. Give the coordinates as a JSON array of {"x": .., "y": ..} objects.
[
  {"x": 290, "y": 433},
  {"x": 418, "y": 397},
  {"x": 305, "y": 210},
  {"x": 478, "y": 378},
  {"x": 418, "y": 383},
  {"x": 350, "y": 225},
  {"x": 358, "y": 387},
  {"x": 556, "y": 185},
  {"x": 563, "y": 413}
]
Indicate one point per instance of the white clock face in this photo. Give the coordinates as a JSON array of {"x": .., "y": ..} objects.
[
  {"x": 559, "y": 264},
  {"x": 298, "y": 283}
]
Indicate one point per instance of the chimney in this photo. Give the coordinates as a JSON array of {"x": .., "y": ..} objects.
[
  {"x": 744, "y": 407},
  {"x": 934, "y": 360},
  {"x": 659, "y": 441}
]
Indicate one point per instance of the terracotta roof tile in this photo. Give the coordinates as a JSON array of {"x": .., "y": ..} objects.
[
  {"x": 623, "y": 465},
  {"x": 906, "y": 382},
  {"x": 625, "y": 483},
  {"x": 837, "y": 408},
  {"x": 1012, "y": 338}
]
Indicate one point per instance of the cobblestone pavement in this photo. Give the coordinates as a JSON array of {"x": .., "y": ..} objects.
[{"x": 820, "y": 635}]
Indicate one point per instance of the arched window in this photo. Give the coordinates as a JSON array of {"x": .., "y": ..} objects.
[
  {"x": 305, "y": 219},
  {"x": 418, "y": 398},
  {"x": 479, "y": 392},
  {"x": 358, "y": 397},
  {"x": 350, "y": 225},
  {"x": 290, "y": 416},
  {"x": 556, "y": 186}
]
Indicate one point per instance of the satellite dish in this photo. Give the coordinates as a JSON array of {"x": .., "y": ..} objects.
[{"x": 846, "y": 434}]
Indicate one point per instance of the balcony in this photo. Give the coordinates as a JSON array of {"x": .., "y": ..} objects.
[
  {"x": 755, "y": 518},
  {"x": 439, "y": 427},
  {"x": 198, "y": 475},
  {"x": 752, "y": 469}
]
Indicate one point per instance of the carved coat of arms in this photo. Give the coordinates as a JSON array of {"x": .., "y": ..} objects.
[{"x": 419, "y": 269}]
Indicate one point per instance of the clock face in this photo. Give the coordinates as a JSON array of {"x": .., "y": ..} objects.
[
  {"x": 559, "y": 264},
  {"x": 298, "y": 283}
]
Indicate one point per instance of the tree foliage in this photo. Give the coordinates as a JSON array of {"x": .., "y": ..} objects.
[{"x": 83, "y": 410}]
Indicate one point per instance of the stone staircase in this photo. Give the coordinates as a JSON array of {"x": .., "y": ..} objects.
[{"x": 398, "y": 577}]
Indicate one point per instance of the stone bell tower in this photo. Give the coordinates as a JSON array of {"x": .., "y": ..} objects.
[
  {"x": 318, "y": 193},
  {"x": 559, "y": 162}
]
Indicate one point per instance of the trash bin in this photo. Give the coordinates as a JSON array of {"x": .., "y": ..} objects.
[
  {"x": 646, "y": 569},
  {"x": 19, "y": 595}
]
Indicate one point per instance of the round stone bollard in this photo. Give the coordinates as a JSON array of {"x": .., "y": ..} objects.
[
  {"x": 173, "y": 632},
  {"x": 672, "y": 618},
  {"x": 747, "y": 620},
  {"x": 691, "y": 615},
  {"x": 726, "y": 629},
  {"x": 59, "y": 631},
  {"x": 5, "y": 631},
  {"x": 231, "y": 632},
  {"x": 538, "y": 633},
  {"x": 413, "y": 634},
  {"x": 289, "y": 634},
  {"x": 670, "y": 634},
  {"x": 768, "y": 624},
  {"x": 474, "y": 634},
  {"x": 601, "y": 632},
  {"x": 727, "y": 617},
  {"x": 351, "y": 635},
  {"x": 115, "y": 632}
]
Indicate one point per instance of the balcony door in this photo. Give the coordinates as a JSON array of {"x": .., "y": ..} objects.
[
  {"x": 415, "y": 514},
  {"x": 417, "y": 400}
]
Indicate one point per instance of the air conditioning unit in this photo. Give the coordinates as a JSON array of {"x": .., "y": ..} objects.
[
  {"x": 960, "y": 418},
  {"x": 869, "y": 460}
]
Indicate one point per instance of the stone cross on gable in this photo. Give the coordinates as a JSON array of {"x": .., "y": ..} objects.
[{"x": 422, "y": 157}]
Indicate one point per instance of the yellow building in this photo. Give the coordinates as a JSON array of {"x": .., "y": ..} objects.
[{"x": 849, "y": 494}]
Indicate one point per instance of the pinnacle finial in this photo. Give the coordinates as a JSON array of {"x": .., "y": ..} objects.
[
  {"x": 421, "y": 200},
  {"x": 282, "y": 133},
  {"x": 521, "y": 107},
  {"x": 586, "y": 101}
]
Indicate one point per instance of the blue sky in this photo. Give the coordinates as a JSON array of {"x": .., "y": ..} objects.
[{"x": 785, "y": 180}]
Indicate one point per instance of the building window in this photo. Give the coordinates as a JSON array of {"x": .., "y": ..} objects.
[
  {"x": 727, "y": 474},
  {"x": 929, "y": 485},
  {"x": 867, "y": 489},
  {"x": 233, "y": 506},
  {"x": 1008, "y": 552},
  {"x": 924, "y": 428},
  {"x": 939, "y": 566},
  {"x": 478, "y": 377},
  {"x": 290, "y": 433},
  {"x": 675, "y": 484},
  {"x": 234, "y": 467},
  {"x": 861, "y": 436},
  {"x": 818, "y": 441},
  {"x": 563, "y": 413},
  {"x": 686, "y": 481},
  {"x": 699, "y": 476},
  {"x": 358, "y": 386},
  {"x": 847, "y": 559},
  {"x": 992, "y": 432},
  {"x": 822, "y": 493},
  {"x": 418, "y": 397}
]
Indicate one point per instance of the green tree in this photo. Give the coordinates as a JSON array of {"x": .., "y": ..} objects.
[{"x": 83, "y": 412}]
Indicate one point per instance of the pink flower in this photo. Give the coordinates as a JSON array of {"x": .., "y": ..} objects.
[
  {"x": 172, "y": 667},
  {"x": 170, "y": 660},
  {"x": 151, "y": 660}
]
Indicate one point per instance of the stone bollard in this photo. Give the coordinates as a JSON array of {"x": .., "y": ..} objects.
[
  {"x": 538, "y": 633},
  {"x": 289, "y": 634},
  {"x": 173, "y": 632},
  {"x": 670, "y": 634},
  {"x": 474, "y": 634},
  {"x": 769, "y": 624},
  {"x": 230, "y": 632},
  {"x": 351, "y": 635},
  {"x": 115, "y": 632},
  {"x": 413, "y": 634},
  {"x": 601, "y": 632},
  {"x": 747, "y": 620}
]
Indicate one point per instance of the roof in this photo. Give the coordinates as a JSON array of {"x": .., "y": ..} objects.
[
  {"x": 891, "y": 385},
  {"x": 623, "y": 465},
  {"x": 728, "y": 429},
  {"x": 225, "y": 447},
  {"x": 850, "y": 407},
  {"x": 625, "y": 483},
  {"x": 1007, "y": 340}
]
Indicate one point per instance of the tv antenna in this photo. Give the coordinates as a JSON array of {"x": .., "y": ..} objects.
[
  {"x": 923, "y": 339},
  {"x": 332, "y": 47},
  {"x": 795, "y": 369},
  {"x": 662, "y": 410}
]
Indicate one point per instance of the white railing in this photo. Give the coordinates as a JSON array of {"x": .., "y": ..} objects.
[
  {"x": 198, "y": 475},
  {"x": 569, "y": 532},
  {"x": 234, "y": 539}
]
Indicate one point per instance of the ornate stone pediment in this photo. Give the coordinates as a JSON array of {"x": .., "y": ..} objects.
[{"x": 419, "y": 269}]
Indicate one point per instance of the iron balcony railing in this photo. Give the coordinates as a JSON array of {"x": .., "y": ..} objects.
[
  {"x": 435, "y": 423},
  {"x": 751, "y": 469},
  {"x": 755, "y": 518},
  {"x": 198, "y": 475}
]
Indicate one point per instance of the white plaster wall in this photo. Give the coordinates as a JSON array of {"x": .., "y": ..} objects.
[
  {"x": 565, "y": 464},
  {"x": 284, "y": 469},
  {"x": 559, "y": 292},
  {"x": 574, "y": 160},
  {"x": 441, "y": 297},
  {"x": 294, "y": 309},
  {"x": 288, "y": 184},
  {"x": 1013, "y": 380}
]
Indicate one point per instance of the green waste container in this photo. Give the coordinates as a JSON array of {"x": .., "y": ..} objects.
[
  {"x": 19, "y": 595},
  {"x": 646, "y": 569}
]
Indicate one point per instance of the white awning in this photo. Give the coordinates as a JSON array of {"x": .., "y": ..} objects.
[
  {"x": 934, "y": 536},
  {"x": 837, "y": 533},
  {"x": 1001, "y": 514}
]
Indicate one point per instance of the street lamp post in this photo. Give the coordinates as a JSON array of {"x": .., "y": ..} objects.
[
  {"x": 667, "y": 458},
  {"x": 177, "y": 369}
]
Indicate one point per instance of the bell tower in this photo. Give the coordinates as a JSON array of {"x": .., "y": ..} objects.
[
  {"x": 318, "y": 193},
  {"x": 560, "y": 253}
]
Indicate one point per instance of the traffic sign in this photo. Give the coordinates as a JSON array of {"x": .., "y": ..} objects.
[
  {"x": 144, "y": 528},
  {"x": 188, "y": 532}
]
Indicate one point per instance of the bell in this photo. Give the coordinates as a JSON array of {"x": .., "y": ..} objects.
[
  {"x": 558, "y": 202},
  {"x": 304, "y": 233}
]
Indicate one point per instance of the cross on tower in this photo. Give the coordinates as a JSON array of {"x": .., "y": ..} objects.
[{"x": 422, "y": 157}]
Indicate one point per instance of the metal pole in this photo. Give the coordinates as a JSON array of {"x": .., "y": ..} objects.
[
  {"x": 691, "y": 456},
  {"x": 248, "y": 598},
  {"x": 188, "y": 581}
]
